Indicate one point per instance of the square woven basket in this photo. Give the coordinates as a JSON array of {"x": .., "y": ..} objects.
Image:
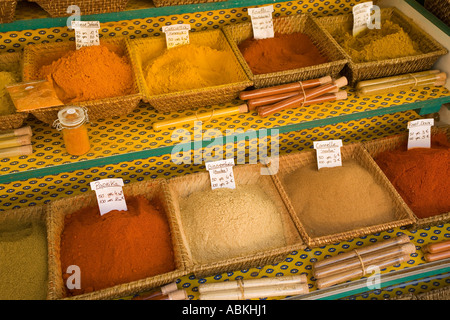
[
  {"x": 440, "y": 8},
  {"x": 290, "y": 163},
  {"x": 155, "y": 191},
  {"x": 358, "y": 71},
  {"x": 12, "y": 62},
  {"x": 303, "y": 23},
  {"x": 375, "y": 147},
  {"x": 182, "y": 187},
  {"x": 7, "y": 10},
  {"x": 144, "y": 50},
  {"x": 166, "y": 3},
  {"x": 58, "y": 8},
  {"x": 37, "y": 55},
  {"x": 34, "y": 214}
]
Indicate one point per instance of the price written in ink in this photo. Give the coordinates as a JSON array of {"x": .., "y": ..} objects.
[
  {"x": 176, "y": 35},
  {"x": 419, "y": 135},
  {"x": 328, "y": 153},
  {"x": 221, "y": 174},
  {"x": 86, "y": 33},
  {"x": 110, "y": 195},
  {"x": 262, "y": 22}
]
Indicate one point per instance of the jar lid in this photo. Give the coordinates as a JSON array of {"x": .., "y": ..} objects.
[{"x": 71, "y": 116}]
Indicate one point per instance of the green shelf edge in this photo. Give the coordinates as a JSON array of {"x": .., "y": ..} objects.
[{"x": 432, "y": 105}]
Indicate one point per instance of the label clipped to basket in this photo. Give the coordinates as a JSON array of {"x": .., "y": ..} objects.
[
  {"x": 328, "y": 153},
  {"x": 109, "y": 195},
  {"x": 176, "y": 35},
  {"x": 86, "y": 33},
  {"x": 419, "y": 135},
  {"x": 221, "y": 174},
  {"x": 361, "y": 16},
  {"x": 262, "y": 22}
]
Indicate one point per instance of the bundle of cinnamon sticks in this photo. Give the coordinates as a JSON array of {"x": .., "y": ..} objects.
[
  {"x": 292, "y": 95},
  {"x": 363, "y": 261}
]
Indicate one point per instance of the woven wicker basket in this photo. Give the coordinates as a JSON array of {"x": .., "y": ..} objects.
[
  {"x": 355, "y": 71},
  {"x": 155, "y": 191},
  {"x": 11, "y": 62},
  {"x": 144, "y": 50},
  {"x": 181, "y": 187},
  {"x": 303, "y": 23},
  {"x": 166, "y": 3},
  {"x": 292, "y": 162},
  {"x": 440, "y": 8},
  {"x": 35, "y": 214},
  {"x": 7, "y": 10},
  {"x": 38, "y": 55},
  {"x": 375, "y": 147},
  {"x": 58, "y": 8}
]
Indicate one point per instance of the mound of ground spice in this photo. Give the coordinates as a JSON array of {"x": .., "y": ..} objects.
[
  {"x": 117, "y": 247},
  {"x": 421, "y": 176},
  {"x": 280, "y": 53},
  {"x": 90, "y": 73}
]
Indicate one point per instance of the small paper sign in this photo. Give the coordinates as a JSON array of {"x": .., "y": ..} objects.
[
  {"x": 86, "y": 33},
  {"x": 221, "y": 174},
  {"x": 262, "y": 22},
  {"x": 177, "y": 34},
  {"x": 328, "y": 153},
  {"x": 109, "y": 195},
  {"x": 361, "y": 16},
  {"x": 419, "y": 135}
]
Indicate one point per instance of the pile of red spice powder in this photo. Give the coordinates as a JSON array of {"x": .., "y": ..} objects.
[
  {"x": 421, "y": 176},
  {"x": 280, "y": 53},
  {"x": 117, "y": 247}
]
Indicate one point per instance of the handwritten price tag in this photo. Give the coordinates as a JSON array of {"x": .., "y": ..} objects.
[
  {"x": 176, "y": 35},
  {"x": 262, "y": 22},
  {"x": 221, "y": 174},
  {"x": 419, "y": 135},
  {"x": 328, "y": 153},
  {"x": 361, "y": 16},
  {"x": 109, "y": 195},
  {"x": 86, "y": 33}
]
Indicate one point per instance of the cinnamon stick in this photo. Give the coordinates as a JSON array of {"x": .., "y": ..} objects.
[{"x": 437, "y": 247}]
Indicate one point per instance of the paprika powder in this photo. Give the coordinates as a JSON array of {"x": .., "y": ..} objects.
[
  {"x": 117, "y": 247},
  {"x": 421, "y": 175}
]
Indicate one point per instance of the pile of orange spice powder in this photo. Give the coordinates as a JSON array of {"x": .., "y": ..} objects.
[
  {"x": 280, "y": 53},
  {"x": 421, "y": 175},
  {"x": 117, "y": 247}
]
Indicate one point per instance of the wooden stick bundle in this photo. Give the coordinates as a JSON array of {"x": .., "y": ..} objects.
[
  {"x": 16, "y": 142},
  {"x": 254, "y": 288},
  {"x": 274, "y": 99},
  {"x": 356, "y": 263},
  {"x": 401, "y": 82},
  {"x": 436, "y": 251}
]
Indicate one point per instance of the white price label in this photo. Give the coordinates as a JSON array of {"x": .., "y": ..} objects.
[
  {"x": 419, "y": 135},
  {"x": 361, "y": 16},
  {"x": 262, "y": 22},
  {"x": 109, "y": 195},
  {"x": 176, "y": 35},
  {"x": 86, "y": 33},
  {"x": 221, "y": 174},
  {"x": 328, "y": 153}
]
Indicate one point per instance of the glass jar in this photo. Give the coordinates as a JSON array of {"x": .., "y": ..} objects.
[{"x": 72, "y": 122}]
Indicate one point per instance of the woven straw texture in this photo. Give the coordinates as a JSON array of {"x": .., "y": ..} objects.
[
  {"x": 375, "y": 147},
  {"x": 35, "y": 56},
  {"x": 440, "y": 8},
  {"x": 7, "y": 10},
  {"x": 26, "y": 215},
  {"x": 144, "y": 50},
  {"x": 435, "y": 294},
  {"x": 155, "y": 191},
  {"x": 292, "y": 162},
  {"x": 355, "y": 72},
  {"x": 58, "y": 8},
  {"x": 166, "y": 3},
  {"x": 301, "y": 23},
  {"x": 11, "y": 62},
  {"x": 182, "y": 187}
]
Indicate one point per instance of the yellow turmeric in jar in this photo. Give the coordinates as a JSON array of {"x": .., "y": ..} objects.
[{"x": 76, "y": 140}]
